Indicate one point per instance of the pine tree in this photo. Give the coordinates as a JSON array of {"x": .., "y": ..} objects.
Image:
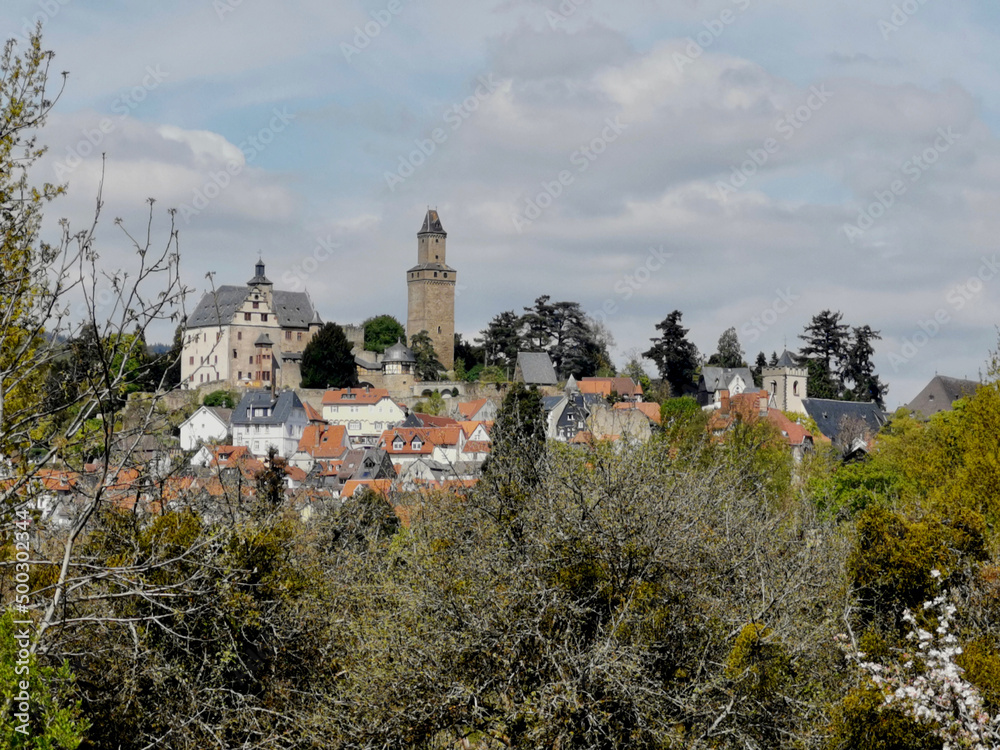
[
  {"x": 826, "y": 352},
  {"x": 501, "y": 340},
  {"x": 675, "y": 356},
  {"x": 758, "y": 370},
  {"x": 859, "y": 369}
]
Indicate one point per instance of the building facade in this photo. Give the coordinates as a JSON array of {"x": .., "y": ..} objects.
[
  {"x": 431, "y": 291},
  {"x": 249, "y": 336},
  {"x": 787, "y": 381}
]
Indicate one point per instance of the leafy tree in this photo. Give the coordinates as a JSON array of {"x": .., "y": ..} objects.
[
  {"x": 633, "y": 369},
  {"x": 327, "y": 361},
  {"x": 428, "y": 367},
  {"x": 730, "y": 353},
  {"x": 223, "y": 398},
  {"x": 433, "y": 405},
  {"x": 859, "y": 370},
  {"x": 825, "y": 350},
  {"x": 381, "y": 332},
  {"x": 501, "y": 340},
  {"x": 675, "y": 356}
]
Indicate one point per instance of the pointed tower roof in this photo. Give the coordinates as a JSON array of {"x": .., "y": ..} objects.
[
  {"x": 788, "y": 360},
  {"x": 432, "y": 224},
  {"x": 259, "y": 277},
  {"x": 263, "y": 340}
]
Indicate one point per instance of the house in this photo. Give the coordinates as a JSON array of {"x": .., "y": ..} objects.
[
  {"x": 366, "y": 464},
  {"x": 407, "y": 444},
  {"x": 480, "y": 410},
  {"x": 624, "y": 388},
  {"x": 210, "y": 424},
  {"x": 836, "y": 417},
  {"x": 263, "y": 421},
  {"x": 365, "y": 412},
  {"x": 754, "y": 407},
  {"x": 246, "y": 335},
  {"x": 320, "y": 442},
  {"x": 395, "y": 370},
  {"x": 714, "y": 380},
  {"x": 535, "y": 368},
  {"x": 939, "y": 395},
  {"x": 567, "y": 415}
]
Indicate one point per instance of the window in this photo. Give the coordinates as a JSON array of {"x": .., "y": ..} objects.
[
  {"x": 397, "y": 444},
  {"x": 256, "y": 305},
  {"x": 216, "y": 360},
  {"x": 235, "y": 354},
  {"x": 354, "y": 426},
  {"x": 246, "y": 316},
  {"x": 218, "y": 337},
  {"x": 417, "y": 444},
  {"x": 251, "y": 359},
  {"x": 300, "y": 335},
  {"x": 239, "y": 375},
  {"x": 191, "y": 361},
  {"x": 439, "y": 329},
  {"x": 265, "y": 375},
  {"x": 446, "y": 274},
  {"x": 263, "y": 317},
  {"x": 795, "y": 387},
  {"x": 288, "y": 335},
  {"x": 435, "y": 274},
  {"x": 239, "y": 335}
]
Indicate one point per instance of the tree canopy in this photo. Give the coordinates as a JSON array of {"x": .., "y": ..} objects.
[
  {"x": 327, "y": 361},
  {"x": 428, "y": 365},
  {"x": 381, "y": 332},
  {"x": 675, "y": 356}
]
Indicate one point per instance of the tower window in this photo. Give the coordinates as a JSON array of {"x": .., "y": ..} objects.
[
  {"x": 795, "y": 387},
  {"x": 239, "y": 335},
  {"x": 435, "y": 274},
  {"x": 439, "y": 329},
  {"x": 446, "y": 274},
  {"x": 263, "y": 317}
]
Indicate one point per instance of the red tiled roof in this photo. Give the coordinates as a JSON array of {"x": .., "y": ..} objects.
[
  {"x": 477, "y": 446},
  {"x": 604, "y": 386},
  {"x": 652, "y": 411},
  {"x": 795, "y": 433},
  {"x": 429, "y": 420},
  {"x": 468, "y": 409},
  {"x": 381, "y": 486},
  {"x": 353, "y": 396},
  {"x": 312, "y": 415},
  {"x": 324, "y": 441}
]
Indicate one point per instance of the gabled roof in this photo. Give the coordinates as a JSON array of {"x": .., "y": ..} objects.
[
  {"x": 325, "y": 441},
  {"x": 354, "y": 396},
  {"x": 793, "y": 432},
  {"x": 281, "y": 408},
  {"x": 536, "y": 368},
  {"x": 829, "y": 414},
  {"x": 719, "y": 378},
  {"x": 607, "y": 386},
  {"x": 293, "y": 309},
  {"x": 652, "y": 411},
  {"x": 429, "y": 420},
  {"x": 939, "y": 394},
  {"x": 468, "y": 409},
  {"x": 219, "y": 412}
]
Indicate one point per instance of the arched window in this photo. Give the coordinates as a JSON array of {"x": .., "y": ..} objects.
[{"x": 795, "y": 387}]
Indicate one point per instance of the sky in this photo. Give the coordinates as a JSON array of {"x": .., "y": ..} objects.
[{"x": 750, "y": 163}]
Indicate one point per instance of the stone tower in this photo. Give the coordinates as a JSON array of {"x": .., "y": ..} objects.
[
  {"x": 786, "y": 381},
  {"x": 431, "y": 291}
]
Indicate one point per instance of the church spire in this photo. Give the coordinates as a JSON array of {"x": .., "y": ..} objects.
[{"x": 432, "y": 224}]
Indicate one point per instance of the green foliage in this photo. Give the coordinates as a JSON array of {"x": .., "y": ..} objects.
[
  {"x": 891, "y": 563},
  {"x": 501, "y": 340},
  {"x": 492, "y": 374},
  {"x": 730, "y": 353},
  {"x": 675, "y": 356},
  {"x": 222, "y": 398},
  {"x": 863, "y": 721},
  {"x": 381, "y": 332},
  {"x": 327, "y": 361},
  {"x": 434, "y": 405},
  {"x": 54, "y": 717},
  {"x": 428, "y": 367},
  {"x": 758, "y": 664},
  {"x": 981, "y": 661}
]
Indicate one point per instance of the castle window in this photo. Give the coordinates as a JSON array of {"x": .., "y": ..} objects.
[
  {"x": 446, "y": 274},
  {"x": 191, "y": 362},
  {"x": 251, "y": 359},
  {"x": 288, "y": 335},
  {"x": 239, "y": 375},
  {"x": 439, "y": 329},
  {"x": 265, "y": 375},
  {"x": 435, "y": 274},
  {"x": 246, "y": 316},
  {"x": 795, "y": 387},
  {"x": 235, "y": 354},
  {"x": 263, "y": 317},
  {"x": 774, "y": 387},
  {"x": 256, "y": 305},
  {"x": 239, "y": 335},
  {"x": 300, "y": 335}
]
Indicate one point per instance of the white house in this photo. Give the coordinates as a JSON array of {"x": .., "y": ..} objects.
[
  {"x": 209, "y": 424},
  {"x": 365, "y": 412},
  {"x": 262, "y": 421}
]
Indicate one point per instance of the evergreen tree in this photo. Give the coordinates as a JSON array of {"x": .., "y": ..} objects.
[
  {"x": 501, "y": 340},
  {"x": 859, "y": 369},
  {"x": 675, "y": 356},
  {"x": 466, "y": 353},
  {"x": 774, "y": 359},
  {"x": 381, "y": 332},
  {"x": 428, "y": 366},
  {"x": 826, "y": 352},
  {"x": 572, "y": 341},
  {"x": 730, "y": 353},
  {"x": 536, "y": 325},
  {"x": 758, "y": 370},
  {"x": 327, "y": 361}
]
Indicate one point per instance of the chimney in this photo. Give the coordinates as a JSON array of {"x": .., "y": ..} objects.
[
  {"x": 765, "y": 398},
  {"x": 724, "y": 401}
]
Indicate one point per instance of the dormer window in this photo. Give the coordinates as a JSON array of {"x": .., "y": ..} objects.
[
  {"x": 397, "y": 444},
  {"x": 417, "y": 445}
]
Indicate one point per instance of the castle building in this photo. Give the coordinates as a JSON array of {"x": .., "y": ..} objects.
[
  {"x": 249, "y": 335},
  {"x": 431, "y": 291},
  {"x": 786, "y": 381}
]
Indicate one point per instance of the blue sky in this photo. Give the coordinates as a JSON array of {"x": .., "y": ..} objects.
[{"x": 672, "y": 212}]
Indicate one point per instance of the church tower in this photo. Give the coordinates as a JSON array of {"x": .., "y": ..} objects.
[
  {"x": 431, "y": 291},
  {"x": 786, "y": 382}
]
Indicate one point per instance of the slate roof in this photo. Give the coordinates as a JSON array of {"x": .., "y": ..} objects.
[
  {"x": 399, "y": 352},
  {"x": 293, "y": 309},
  {"x": 939, "y": 394},
  {"x": 536, "y": 368},
  {"x": 717, "y": 378},
  {"x": 788, "y": 360},
  {"x": 280, "y": 411},
  {"x": 829, "y": 414},
  {"x": 432, "y": 224}
]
